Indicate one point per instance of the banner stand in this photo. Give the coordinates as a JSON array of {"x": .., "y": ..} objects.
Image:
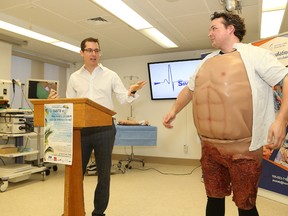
[
  {"x": 273, "y": 182},
  {"x": 273, "y": 196}
]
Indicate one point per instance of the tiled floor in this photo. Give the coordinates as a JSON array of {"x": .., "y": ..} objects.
[{"x": 160, "y": 190}]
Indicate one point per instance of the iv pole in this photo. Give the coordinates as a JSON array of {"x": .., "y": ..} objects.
[{"x": 132, "y": 80}]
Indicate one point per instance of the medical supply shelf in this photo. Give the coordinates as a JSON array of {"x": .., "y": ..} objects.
[
  {"x": 19, "y": 170},
  {"x": 13, "y": 155}
]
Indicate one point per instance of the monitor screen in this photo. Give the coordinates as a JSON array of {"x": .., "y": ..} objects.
[
  {"x": 168, "y": 78},
  {"x": 39, "y": 89}
]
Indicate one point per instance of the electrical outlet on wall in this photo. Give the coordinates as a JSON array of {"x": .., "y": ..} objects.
[{"x": 185, "y": 148}]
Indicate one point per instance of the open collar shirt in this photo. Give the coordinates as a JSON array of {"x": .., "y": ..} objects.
[
  {"x": 264, "y": 71},
  {"x": 98, "y": 86}
]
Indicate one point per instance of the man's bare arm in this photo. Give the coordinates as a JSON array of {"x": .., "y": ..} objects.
[
  {"x": 184, "y": 97},
  {"x": 277, "y": 131}
]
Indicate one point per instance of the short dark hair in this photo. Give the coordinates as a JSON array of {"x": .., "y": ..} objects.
[
  {"x": 90, "y": 39},
  {"x": 232, "y": 19}
]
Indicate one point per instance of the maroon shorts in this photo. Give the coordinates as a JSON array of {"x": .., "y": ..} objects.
[{"x": 230, "y": 166}]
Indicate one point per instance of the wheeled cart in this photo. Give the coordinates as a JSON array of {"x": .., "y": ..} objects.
[
  {"x": 20, "y": 169},
  {"x": 18, "y": 172}
]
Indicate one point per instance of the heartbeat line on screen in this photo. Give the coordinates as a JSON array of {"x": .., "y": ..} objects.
[{"x": 169, "y": 80}]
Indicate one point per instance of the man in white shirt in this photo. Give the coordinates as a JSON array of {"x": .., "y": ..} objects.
[
  {"x": 98, "y": 83},
  {"x": 234, "y": 115}
]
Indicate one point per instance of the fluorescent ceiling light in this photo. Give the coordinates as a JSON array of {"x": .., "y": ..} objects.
[
  {"x": 129, "y": 16},
  {"x": 271, "y": 22},
  {"x": 67, "y": 46},
  {"x": 158, "y": 37},
  {"x": 273, "y": 4},
  {"x": 37, "y": 36},
  {"x": 25, "y": 32},
  {"x": 272, "y": 16},
  {"x": 125, "y": 13}
]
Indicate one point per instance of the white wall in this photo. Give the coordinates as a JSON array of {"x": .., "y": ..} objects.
[
  {"x": 170, "y": 142},
  {"x": 21, "y": 70},
  {"x": 5, "y": 60}
]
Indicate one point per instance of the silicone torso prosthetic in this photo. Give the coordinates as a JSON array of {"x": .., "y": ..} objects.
[
  {"x": 222, "y": 102},
  {"x": 222, "y": 110}
]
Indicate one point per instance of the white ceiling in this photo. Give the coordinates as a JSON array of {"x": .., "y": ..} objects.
[{"x": 186, "y": 22}]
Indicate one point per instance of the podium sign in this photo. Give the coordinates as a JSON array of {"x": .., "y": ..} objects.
[
  {"x": 86, "y": 114},
  {"x": 58, "y": 133}
]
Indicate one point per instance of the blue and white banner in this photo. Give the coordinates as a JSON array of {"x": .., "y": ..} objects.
[
  {"x": 275, "y": 162},
  {"x": 58, "y": 136}
]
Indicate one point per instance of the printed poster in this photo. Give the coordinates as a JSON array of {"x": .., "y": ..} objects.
[
  {"x": 58, "y": 133},
  {"x": 275, "y": 162}
]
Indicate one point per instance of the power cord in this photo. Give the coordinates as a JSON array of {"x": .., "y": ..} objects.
[
  {"x": 26, "y": 100},
  {"x": 13, "y": 97},
  {"x": 164, "y": 173},
  {"x": 24, "y": 149},
  {"x": 7, "y": 140},
  {"x": 2, "y": 161}
]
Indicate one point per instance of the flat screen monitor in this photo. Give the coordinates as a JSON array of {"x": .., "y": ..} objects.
[
  {"x": 168, "y": 78},
  {"x": 39, "y": 88}
]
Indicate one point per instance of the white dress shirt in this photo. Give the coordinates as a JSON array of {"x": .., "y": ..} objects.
[
  {"x": 98, "y": 86},
  {"x": 264, "y": 71}
]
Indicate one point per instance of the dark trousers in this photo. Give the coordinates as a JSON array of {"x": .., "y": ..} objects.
[
  {"x": 216, "y": 207},
  {"x": 101, "y": 140}
]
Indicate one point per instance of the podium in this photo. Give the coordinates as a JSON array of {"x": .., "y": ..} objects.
[{"x": 86, "y": 114}]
